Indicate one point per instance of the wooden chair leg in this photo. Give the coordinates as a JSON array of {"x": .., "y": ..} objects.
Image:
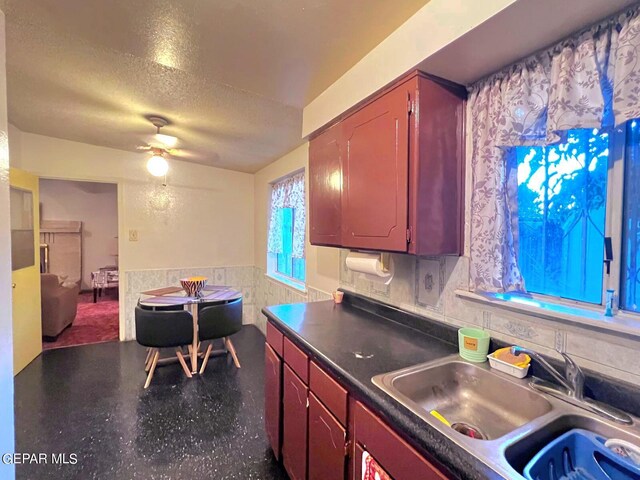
[
  {"x": 150, "y": 356},
  {"x": 232, "y": 351},
  {"x": 183, "y": 363},
  {"x": 146, "y": 360},
  {"x": 206, "y": 358},
  {"x": 154, "y": 362}
]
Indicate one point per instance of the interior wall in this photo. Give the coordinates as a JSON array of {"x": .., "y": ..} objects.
[
  {"x": 96, "y": 206},
  {"x": 203, "y": 217},
  {"x": 430, "y": 29},
  {"x": 6, "y": 334},
  {"x": 322, "y": 263}
]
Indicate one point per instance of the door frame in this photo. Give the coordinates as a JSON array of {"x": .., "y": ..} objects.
[{"x": 121, "y": 234}]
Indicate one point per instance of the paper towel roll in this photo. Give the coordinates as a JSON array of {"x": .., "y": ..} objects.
[{"x": 370, "y": 265}]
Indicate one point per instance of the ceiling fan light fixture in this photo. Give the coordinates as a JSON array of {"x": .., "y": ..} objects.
[{"x": 157, "y": 166}]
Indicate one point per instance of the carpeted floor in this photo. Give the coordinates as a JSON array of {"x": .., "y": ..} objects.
[{"x": 94, "y": 323}]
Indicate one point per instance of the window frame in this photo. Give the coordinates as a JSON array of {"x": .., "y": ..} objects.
[
  {"x": 272, "y": 258},
  {"x": 613, "y": 227}
]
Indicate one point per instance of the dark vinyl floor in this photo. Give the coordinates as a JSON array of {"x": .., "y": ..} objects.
[{"x": 89, "y": 400}]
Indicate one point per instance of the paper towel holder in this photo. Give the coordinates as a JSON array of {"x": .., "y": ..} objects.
[{"x": 385, "y": 259}]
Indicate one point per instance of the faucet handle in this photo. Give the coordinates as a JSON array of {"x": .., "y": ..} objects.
[{"x": 574, "y": 375}]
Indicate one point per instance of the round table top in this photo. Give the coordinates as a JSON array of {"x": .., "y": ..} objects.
[{"x": 211, "y": 294}]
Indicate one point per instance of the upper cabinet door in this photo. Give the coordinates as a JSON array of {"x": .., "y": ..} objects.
[
  {"x": 325, "y": 188},
  {"x": 375, "y": 174}
]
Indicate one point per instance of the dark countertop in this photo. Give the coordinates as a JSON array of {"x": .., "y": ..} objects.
[{"x": 355, "y": 341}]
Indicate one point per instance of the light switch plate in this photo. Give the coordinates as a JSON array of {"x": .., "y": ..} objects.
[{"x": 133, "y": 235}]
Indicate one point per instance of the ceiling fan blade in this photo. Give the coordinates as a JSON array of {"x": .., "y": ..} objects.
[
  {"x": 182, "y": 153},
  {"x": 160, "y": 140}
]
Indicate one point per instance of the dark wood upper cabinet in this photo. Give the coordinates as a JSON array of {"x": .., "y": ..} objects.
[
  {"x": 436, "y": 179},
  {"x": 325, "y": 189},
  {"x": 327, "y": 443},
  {"x": 401, "y": 155},
  {"x": 272, "y": 398},
  {"x": 294, "y": 425},
  {"x": 376, "y": 174}
]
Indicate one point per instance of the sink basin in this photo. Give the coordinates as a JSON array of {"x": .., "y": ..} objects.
[
  {"x": 519, "y": 453},
  {"x": 467, "y": 395}
]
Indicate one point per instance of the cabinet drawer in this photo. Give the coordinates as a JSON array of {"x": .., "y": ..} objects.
[
  {"x": 297, "y": 360},
  {"x": 274, "y": 338},
  {"x": 329, "y": 391},
  {"x": 327, "y": 443},
  {"x": 393, "y": 454}
]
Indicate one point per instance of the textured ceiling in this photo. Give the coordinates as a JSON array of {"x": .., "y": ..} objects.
[{"x": 232, "y": 76}]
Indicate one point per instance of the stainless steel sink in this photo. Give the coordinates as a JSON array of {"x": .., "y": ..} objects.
[
  {"x": 519, "y": 453},
  {"x": 516, "y": 420},
  {"x": 465, "y": 394}
]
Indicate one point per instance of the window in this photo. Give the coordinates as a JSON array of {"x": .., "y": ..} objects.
[
  {"x": 572, "y": 204},
  {"x": 630, "y": 281},
  {"x": 286, "y": 242}
]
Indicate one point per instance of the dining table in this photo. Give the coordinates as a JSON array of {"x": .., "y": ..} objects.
[{"x": 176, "y": 295}]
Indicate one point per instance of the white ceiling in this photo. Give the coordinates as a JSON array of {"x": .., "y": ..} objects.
[{"x": 232, "y": 76}]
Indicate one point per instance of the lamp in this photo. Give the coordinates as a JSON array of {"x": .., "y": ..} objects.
[{"x": 157, "y": 165}]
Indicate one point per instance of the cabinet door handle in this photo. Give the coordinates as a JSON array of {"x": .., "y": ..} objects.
[{"x": 13, "y": 285}]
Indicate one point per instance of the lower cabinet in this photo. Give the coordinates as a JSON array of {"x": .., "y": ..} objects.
[
  {"x": 294, "y": 425},
  {"x": 327, "y": 443},
  {"x": 307, "y": 424},
  {"x": 272, "y": 396},
  {"x": 399, "y": 459}
]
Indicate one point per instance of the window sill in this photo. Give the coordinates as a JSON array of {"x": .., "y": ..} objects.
[
  {"x": 623, "y": 323},
  {"x": 299, "y": 287}
]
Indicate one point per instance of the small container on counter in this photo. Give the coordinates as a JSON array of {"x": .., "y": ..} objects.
[
  {"x": 473, "y": 344},
  {"x": 508, "y": 368}
]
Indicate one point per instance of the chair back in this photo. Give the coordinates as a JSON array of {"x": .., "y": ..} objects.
[
  {"x": 162, "y": 329},
  {"x": 217, "y": 321},
  {"x": 161, "y": 308}
]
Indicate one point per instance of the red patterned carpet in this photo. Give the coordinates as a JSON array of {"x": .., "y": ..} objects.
[{"x": 94, "y": 323}]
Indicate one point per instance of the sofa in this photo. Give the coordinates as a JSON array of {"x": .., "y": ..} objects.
[{"x": 59, "y": 304}]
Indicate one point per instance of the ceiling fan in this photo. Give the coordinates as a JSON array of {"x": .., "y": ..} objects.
[{"x": 160, "y": 146}]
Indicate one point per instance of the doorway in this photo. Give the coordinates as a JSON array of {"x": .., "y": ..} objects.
[{"x": 78, "y": 263}]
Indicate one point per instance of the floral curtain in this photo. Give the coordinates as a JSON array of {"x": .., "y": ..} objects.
[
  {"x": 288, "y": 193},
  {"x": 591, "y": 80}
]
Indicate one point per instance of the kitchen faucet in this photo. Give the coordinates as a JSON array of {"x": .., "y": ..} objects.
[{"x": 571, "y": 388}]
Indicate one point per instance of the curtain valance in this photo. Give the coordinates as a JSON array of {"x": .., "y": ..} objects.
[{"x": 590, "y": 80}]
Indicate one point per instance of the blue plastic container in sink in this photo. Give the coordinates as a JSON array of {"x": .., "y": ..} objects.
[{"x": 577, "y": 455}]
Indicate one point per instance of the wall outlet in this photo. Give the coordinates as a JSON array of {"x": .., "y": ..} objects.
[{"x": 133, "y": 235}]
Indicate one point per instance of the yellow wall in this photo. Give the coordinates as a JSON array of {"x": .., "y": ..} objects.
[
  {"x": 323, "y": 264},
  {"x": 27, "y": 324}
]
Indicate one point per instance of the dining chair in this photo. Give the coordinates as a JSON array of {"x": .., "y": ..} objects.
[
  {"x": 156, "y": 308},
  {"x": 163, "y": 329},
  {"x": 220, "y": 321}
]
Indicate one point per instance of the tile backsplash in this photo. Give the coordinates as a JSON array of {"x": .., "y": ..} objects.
[
  {"x": 257, "y": 289},
  {"x": 426, "y": 286},
  {"x": 423, "y": 285}
]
